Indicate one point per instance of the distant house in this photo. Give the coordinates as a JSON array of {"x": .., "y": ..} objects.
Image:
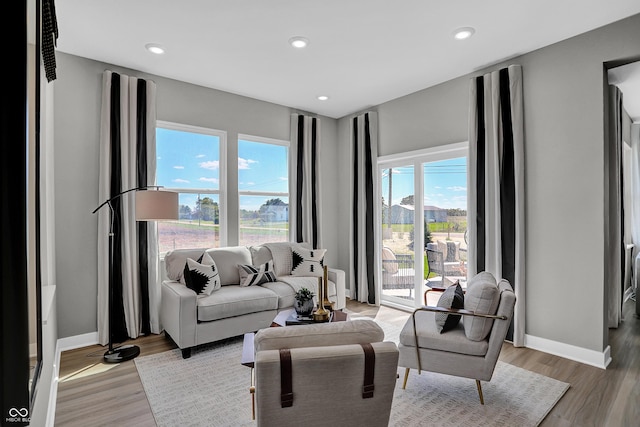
[
  {"x": 404, "y": 214},
  {"x": 435, "y": 214},
  {"x": 274, "y": 213}
]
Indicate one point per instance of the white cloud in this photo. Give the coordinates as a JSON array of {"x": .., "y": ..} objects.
[
  {"x": 181, "y": 181},
  {"x": 457, "y": 188},
  {"x": 283, "y": 178},
  {"x": 200, "y": 156},
  {"x": 244, "y": 163},
  {"x": 210, "y": 165},
  {"x": 214, "y": 180},
  {"x": 437, "y": 187},
  {"x": 178, "y": 167}
]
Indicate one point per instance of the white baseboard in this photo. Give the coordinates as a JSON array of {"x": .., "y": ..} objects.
[
  {"x": 77, "y": 341},
  {"x": 64, "y": 344},
  {"x": 590, "y": 357}
]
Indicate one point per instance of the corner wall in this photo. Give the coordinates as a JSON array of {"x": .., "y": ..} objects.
[
  {"x": 564, "y": 167},
  {"x": 77, "y": 125}
]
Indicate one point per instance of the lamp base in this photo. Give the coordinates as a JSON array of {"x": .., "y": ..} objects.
[{"x": 121, "y": 354}]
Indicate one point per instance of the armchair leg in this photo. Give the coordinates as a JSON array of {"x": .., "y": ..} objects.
[
  {"x": 480, "y": 392},
  {"x": 406, "y": 376}
]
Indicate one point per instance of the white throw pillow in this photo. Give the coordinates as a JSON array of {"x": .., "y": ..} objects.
[
  {"x": 483, "y": 297},
  {"x": 205, "y": 259},
  {"x": 200, "y": 278},
  {"x": 256, "y": 275},
  {"x": 307, "y": 262}
]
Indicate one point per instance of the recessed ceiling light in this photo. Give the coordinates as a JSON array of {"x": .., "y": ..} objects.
[
  {"x": 463, "y": 33},
  {"x": 323, "y": 97},
  {"x": 298, "y": 42},
  {"x": 154, "y": 48}
]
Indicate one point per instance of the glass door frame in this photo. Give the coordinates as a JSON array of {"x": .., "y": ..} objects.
[{"x": 415, "y": 159}]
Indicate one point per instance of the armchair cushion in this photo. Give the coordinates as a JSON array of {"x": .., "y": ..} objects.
[
  {"x": 482, "y": 297},
  {"x": 452, "y": 297},
  {"x": 335, "y": 333},
  {"x": 389, "y": 263}
]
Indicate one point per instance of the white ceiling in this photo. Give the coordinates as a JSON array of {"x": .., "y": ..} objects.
[
  {"x": 627, "y": 78},
  {"x": 361, "y": 53}
]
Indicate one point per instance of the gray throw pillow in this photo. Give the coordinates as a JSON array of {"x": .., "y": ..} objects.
[
  {"x": 452, "y": 297},
  {"x": 483, "y": 296}
]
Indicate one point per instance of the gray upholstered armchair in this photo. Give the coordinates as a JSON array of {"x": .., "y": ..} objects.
[
  {"x": 327, "y": 379},
  {"x": 470, "y": 348}
]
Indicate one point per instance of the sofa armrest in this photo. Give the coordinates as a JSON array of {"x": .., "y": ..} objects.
[
  {"x": 338, "y": 277},
  {"x": 178, "y": 313}
]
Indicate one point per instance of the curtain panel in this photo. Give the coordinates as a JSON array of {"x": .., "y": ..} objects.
[
  {"x": 496, "y": 181},
  {"x": 364, "y": 151},
  {"x": 306, "y": 201},
  {"x": 127, "y": 160},
  {"x": 614, "y": 242}
]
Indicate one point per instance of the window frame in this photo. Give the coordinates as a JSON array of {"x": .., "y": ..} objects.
[
  {"x": 240, "y": 193},
  {"x": 417, "y": 160},
  {"x": 222, "y": 170}
]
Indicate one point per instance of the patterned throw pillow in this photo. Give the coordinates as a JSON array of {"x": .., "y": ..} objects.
[
  {"x": 452, "y": 297},
  {"x": 205, "y": 259},
  {"x": 200, "y": 278},
  {"x": 256, "y": 275},
  {"x": 308, "y": 262}
]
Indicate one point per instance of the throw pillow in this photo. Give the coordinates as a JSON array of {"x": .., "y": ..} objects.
[
  {"x": 483, "y": 297},
  {"x": 204, "y": 259},
  {"x": 256, "y": 275},
  {"x": 200, "y": 278},
  {"x": 308, "y": 262},
  {"x": 452, "y": 297}
]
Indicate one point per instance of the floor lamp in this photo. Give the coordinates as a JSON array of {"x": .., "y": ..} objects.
[{"x": 151, "y": 205}]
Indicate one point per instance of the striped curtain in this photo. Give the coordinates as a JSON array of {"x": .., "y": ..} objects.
[
  {"x": 127, "y": 160},
  {"x": 306, "y": 201},
  {"x": 496, "y": 182},
  {"x": 364, "y": 146}
]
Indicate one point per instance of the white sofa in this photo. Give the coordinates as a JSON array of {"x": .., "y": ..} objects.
[{"x": 191, "y": 320}]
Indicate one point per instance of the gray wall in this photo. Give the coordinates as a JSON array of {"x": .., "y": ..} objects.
[
  {"x": 77, "y": 124},
  {"x": 564, "y": 161}
]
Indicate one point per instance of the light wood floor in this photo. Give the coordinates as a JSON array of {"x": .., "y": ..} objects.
[{"x": 91, "y": 393}]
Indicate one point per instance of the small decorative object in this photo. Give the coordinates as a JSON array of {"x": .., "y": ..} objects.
[
  {"x": 304, "y": 302},
  {"x": 328, "y": 305},
  {"x": 320, "y": 315}
]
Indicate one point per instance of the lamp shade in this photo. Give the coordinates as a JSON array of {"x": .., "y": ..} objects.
[{"x": 156, "y": 205}]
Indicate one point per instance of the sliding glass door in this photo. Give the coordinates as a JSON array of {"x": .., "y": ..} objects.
[{"x": 423, "y": 211}]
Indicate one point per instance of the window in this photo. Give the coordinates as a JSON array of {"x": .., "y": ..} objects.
[
  {"x": 263, "y": 190},
  {"x": 434, "y": 179},
  {"x": 190, "y": 160}
]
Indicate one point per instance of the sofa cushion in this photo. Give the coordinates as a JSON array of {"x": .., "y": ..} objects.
[
  {"x": 227, "y": 260},
  {"x": 285, "y": 293},
  {"x": 358, "y": 331},
  {"x": 201, "y": 278},
  {"x": 483, "y": 297},
  {"x": 252, "y": 275},
  {"x": 307, "y": 262},
  {"x": 260, "y": 254},
  {"x": 235, "y": 300},
  {"x": 175, "y": 260}
]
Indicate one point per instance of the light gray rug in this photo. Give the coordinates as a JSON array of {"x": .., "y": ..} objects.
[{"x": 212, "y": 389}]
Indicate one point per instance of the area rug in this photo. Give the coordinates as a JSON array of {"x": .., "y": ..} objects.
[{"x": 212, "y": 389}]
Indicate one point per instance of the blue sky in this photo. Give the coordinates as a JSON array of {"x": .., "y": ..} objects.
[
  {"x": 445, "y": 183},
  {"x": 191, "y": 161}
]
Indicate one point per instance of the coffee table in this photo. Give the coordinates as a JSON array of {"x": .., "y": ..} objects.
[{"x": 248, "y": 350}]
